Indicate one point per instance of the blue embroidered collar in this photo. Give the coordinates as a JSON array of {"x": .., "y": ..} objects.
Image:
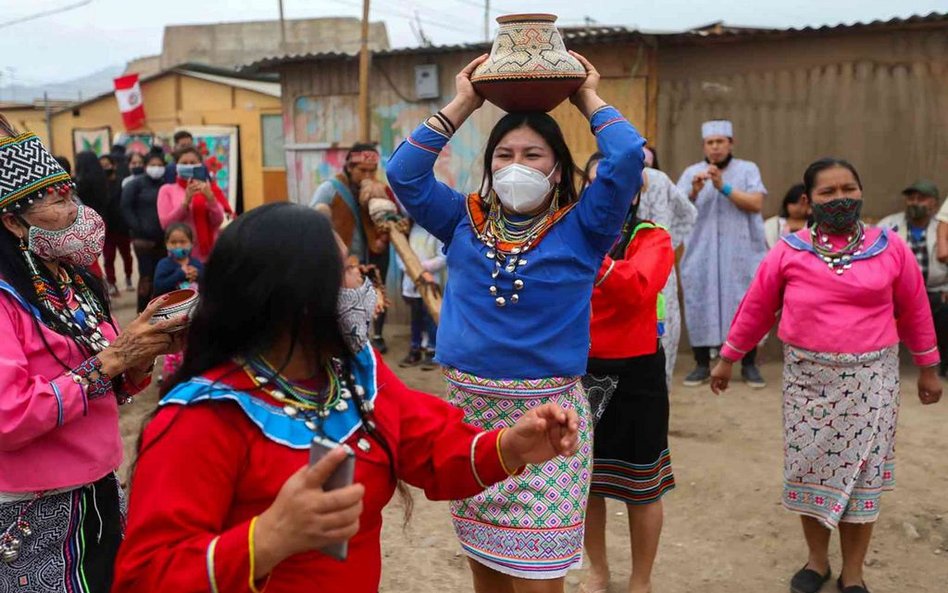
[
  {"x": 271, "y": 419},
  {"x": 877, "y": 247}
]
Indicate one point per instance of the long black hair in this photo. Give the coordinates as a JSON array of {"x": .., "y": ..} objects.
[
  {"x": 792, "y": 196},
  {"x": 275, "y": 269},
  {"x": 91, "y": 183},
  {"x": 550, "y": 131},
  {"x": 817, "y": 167}
]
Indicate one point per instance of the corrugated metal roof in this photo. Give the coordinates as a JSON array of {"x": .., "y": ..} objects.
[{"x": 717, "y": 31}]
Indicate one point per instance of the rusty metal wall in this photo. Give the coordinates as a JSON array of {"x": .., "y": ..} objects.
[{"x": 879, "y": 100}]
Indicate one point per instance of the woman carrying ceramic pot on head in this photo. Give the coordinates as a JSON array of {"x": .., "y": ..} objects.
[
  {"x": 64, "y": 369},
  {"x": 514, "y": 327},
  {"x": 848, "y": 295},
  {"x": 194, "y": 200}
]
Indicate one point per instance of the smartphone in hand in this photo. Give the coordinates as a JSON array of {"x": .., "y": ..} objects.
[{"x": 342, "y": 477}]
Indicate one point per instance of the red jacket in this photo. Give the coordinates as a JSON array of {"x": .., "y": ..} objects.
[
  {"x": 207, "y": 470},
  {"x": 625, "y": 297}
]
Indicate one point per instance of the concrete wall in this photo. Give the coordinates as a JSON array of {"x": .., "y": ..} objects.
[
  {"x": 229, "y": 45},
  {"x": 878, "y": 99},
  {"x": 175, "y": 100}
]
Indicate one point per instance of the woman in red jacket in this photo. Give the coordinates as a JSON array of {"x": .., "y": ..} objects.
[
  {"x": 628, "y": 396},
  {"x": 222, "y": 498}
]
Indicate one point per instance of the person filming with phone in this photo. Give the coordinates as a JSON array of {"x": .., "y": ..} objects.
[
  {"x": 193, "y": 200},
  {"x": 283, "y": 435}
]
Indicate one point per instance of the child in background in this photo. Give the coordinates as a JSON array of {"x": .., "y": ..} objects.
[
  {"x": 178, "y": 270},
  {"x": 431, "y": 255}
]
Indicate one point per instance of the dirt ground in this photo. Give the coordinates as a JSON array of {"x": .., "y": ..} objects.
[{"x": 725, "y": 531}]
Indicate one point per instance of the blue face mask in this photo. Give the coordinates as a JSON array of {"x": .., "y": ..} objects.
[
  {"x": 180, "y": 252},
  {"x": 198, "y": 172}
]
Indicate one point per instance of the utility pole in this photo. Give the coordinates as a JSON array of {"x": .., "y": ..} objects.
[
  {"x": 49, "y": 123},
  {"x": 282, "y": 27},
  {"x": 365, "y": 122},
  {"x": 487, "y": 20}
]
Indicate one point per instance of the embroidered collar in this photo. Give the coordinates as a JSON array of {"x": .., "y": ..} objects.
[
  {"x": 267, "y": 413},
  {"x": 477, "y": 213},
  {"x": 7, "y": 288},
  {"x": 877, "y": 246}
]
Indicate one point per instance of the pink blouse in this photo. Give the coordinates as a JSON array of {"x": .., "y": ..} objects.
[
  {"x": 51, "y": 435},
  {"x": 171, "y": 209},
  {"x": 871, "y": 306}
]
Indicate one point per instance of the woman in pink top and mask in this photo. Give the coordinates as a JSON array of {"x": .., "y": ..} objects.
[
  {"x": 64, "y": 369},
  {"x": 194, "y": 200},
  {"x": 848, "y": 295}
]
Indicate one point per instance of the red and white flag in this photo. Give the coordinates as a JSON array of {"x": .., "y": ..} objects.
[{"x": 128, "y": 93}]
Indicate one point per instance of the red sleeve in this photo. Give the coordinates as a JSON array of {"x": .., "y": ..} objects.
[
  {"x": 642, "y": 274},
  {"x": 175, "y": 539},
  {"x": 913, "y": 314},
  {"x": 437, "y": 451}
]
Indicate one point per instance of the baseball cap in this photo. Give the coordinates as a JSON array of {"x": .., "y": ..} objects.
[{"x": 924, "y": 187}]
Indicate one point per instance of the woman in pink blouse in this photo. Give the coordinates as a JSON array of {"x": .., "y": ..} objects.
[
  {"x": 847, "y": 295},
  {"x": 64, "y": 369},
  {"x": 193, "y": 200}
]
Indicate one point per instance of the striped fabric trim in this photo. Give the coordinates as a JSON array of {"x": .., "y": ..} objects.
[
  {"x": 929, "y": 351},
  {"x": 612, "y": 265},
  {"x": 604, "y": 107},
  {"x": 59, "y": 404},
  {"x": 209, "y": 561},
  {"x": 735, "y": 348},
  {"x": 424, "y": 147},
  {"x": 75, "y": 546},
  {"x": 608, "y": 123},
  {"x": 510, "y": 388},
  {"x": 477, "y": 477},
  {"x": 633, "y": 483}
]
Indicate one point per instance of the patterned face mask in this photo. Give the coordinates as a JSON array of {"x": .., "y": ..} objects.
[
  {"x": 78, "y": 244},
  {"x": 355, "y": 311},
  {"x": 838, "y": 216}
]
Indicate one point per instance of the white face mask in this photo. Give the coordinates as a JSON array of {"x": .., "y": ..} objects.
[
  {"x": 520, "y": 188},
  {"x": 155, "y": 171}
]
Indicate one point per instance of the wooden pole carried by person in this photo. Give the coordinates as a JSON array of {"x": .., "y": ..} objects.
[
  {"x": 365, "y": 122},
  {"x": 430, "y": 293}
]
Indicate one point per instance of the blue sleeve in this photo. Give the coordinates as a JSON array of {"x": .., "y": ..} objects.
[
  {"x": 171, "y": 173},
  {"x": 410, "y": 172},
  {"x": 606, "y": 201},
  {"x": 168, "y": 274}
]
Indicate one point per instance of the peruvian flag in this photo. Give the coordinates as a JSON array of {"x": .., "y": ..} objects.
[{"x": 128, "y": 93}]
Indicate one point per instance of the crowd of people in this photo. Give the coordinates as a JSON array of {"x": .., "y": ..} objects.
[{"x": 557, "y": 338}]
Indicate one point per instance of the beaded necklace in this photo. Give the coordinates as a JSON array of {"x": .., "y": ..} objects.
[
  {"x": 508, "y": 241},
  {"x": 81, "y": 322},
  {"x": 838, "y": 260},
  {"x": 312, "y": 406}
]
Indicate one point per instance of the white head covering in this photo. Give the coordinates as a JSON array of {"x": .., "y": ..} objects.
[{"x": 717, "y": 127}]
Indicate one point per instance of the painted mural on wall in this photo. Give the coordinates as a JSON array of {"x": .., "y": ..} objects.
[
  {"x": 95, "y": 139},
  {"x": 317, "y": 153}
]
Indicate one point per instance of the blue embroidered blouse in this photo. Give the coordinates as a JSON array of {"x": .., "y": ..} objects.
[{"x": 546, "y": 333}]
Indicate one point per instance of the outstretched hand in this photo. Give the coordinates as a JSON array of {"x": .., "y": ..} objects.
[{"x": 540, "y": 435}]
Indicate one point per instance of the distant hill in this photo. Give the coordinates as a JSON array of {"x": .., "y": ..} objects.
[{"x": 83, "y": 87}]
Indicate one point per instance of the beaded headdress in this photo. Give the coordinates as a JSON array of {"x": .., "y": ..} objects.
[{"x": 27, "y": 171}]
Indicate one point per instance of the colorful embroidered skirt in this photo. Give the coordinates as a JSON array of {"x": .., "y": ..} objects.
[
  {"x": 840, "y": 412},
  {"x": 74, "y": 538},
  {"x": 631, "y": 459},
  {"x": 528, "y": 526}
]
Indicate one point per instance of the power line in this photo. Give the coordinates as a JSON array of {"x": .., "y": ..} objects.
[
  {"x": 409, "y": 16},
  {"x": 494, "y": 9},
  {"x": 45, "y": 13}
]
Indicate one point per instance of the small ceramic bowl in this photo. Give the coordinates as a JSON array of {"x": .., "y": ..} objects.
[{"x": 179, "y": 306}]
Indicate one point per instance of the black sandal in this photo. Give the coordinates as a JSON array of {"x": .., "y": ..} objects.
[
  {"x": 809, "y": 581},
  {"x": 852, "y": 588}
]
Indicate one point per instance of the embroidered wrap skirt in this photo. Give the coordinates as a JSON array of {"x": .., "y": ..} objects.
[
  {"x": 528, "y": 526},
  {"x": 75, "y": 536},
  {"x": 840, "y": 413}
]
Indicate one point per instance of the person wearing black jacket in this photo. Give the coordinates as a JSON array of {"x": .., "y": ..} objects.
[
  {"x": 116, "y": 233},
  {"x": 140, "y": 210}
]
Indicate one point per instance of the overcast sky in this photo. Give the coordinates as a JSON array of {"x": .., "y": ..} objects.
[{"x": 110, "y": 32}]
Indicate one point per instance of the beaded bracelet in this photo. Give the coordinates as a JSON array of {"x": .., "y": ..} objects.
[
  {"x": 500, "y": 456},
  {"x": 90, "y": 375},
  {"x": 447, "y": 121},
  {"x": 441, "y": 127}
]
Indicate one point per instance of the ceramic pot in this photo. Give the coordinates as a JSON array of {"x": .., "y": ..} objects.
[
  {"x": 179, "y": 307},
  {"x": 529, "y": 68}
]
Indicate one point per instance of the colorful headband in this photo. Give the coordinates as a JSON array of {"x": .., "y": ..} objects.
[
  {"x": 28, "y": 172},
  {"x": 369, "y": 157}
]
